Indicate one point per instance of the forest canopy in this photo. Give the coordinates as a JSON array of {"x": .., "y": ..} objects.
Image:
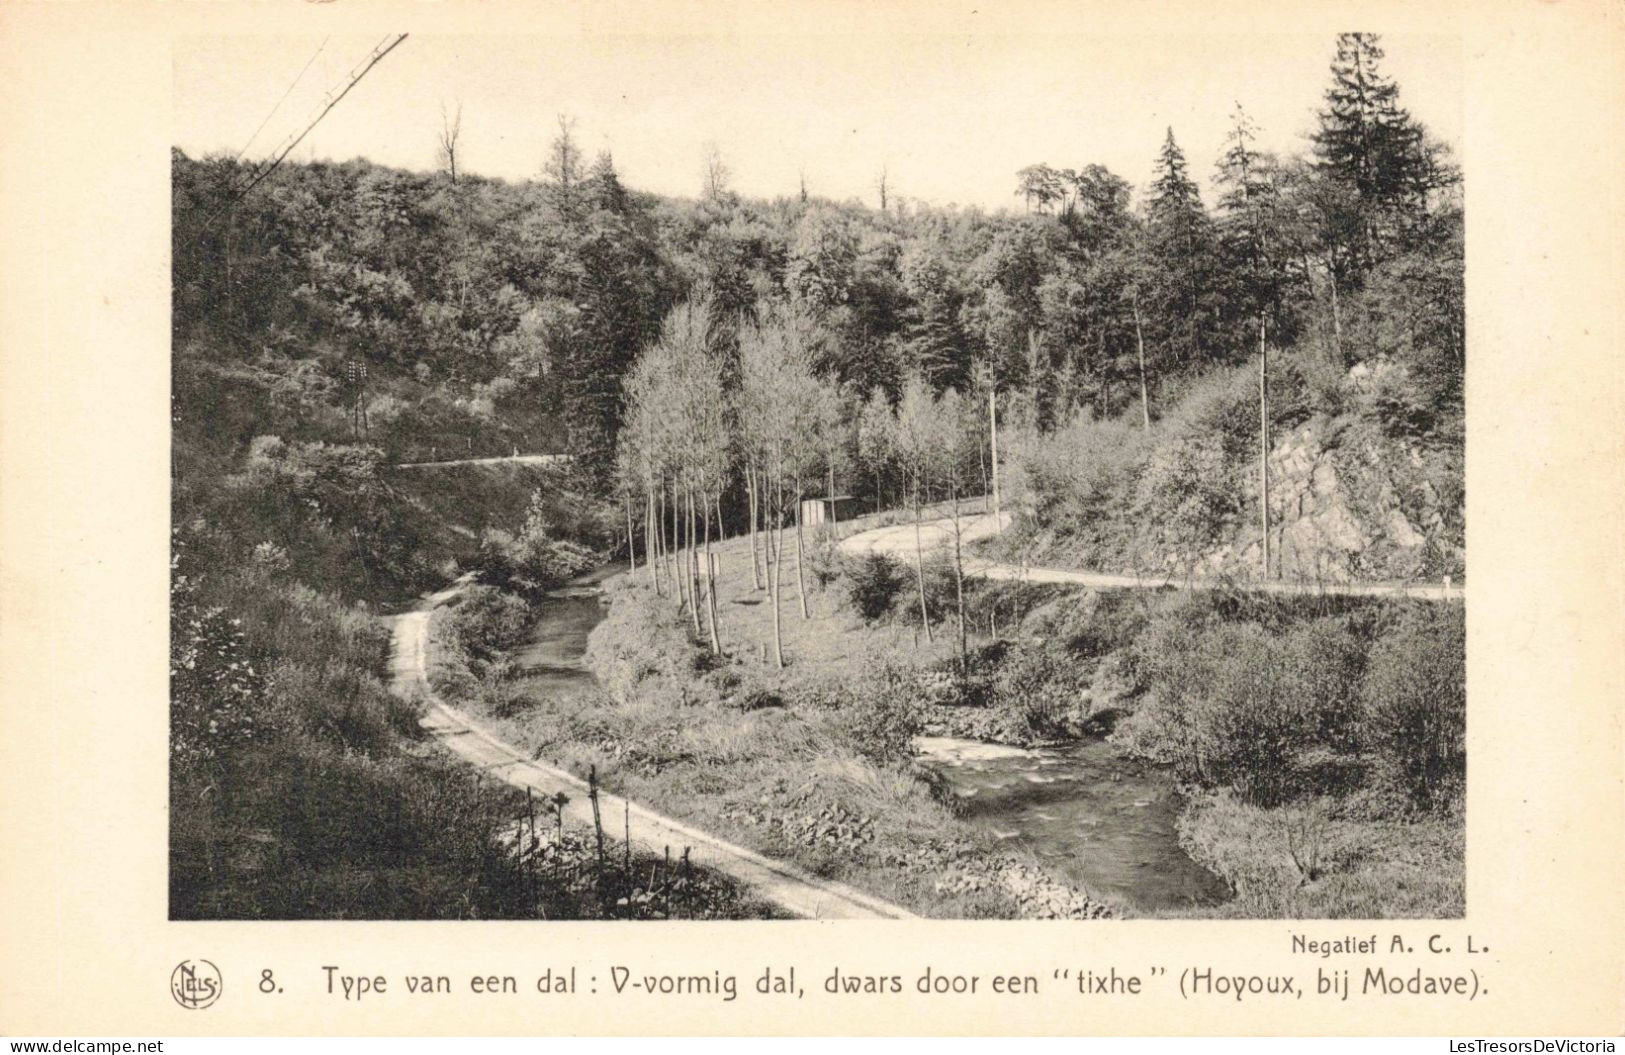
[{"x": 495, "y": 315}]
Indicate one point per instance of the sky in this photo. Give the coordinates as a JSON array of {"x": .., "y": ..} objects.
[{"x": 950, "y": 118}]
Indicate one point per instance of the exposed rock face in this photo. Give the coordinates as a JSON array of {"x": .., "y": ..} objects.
[{"x": 1347, "y": 504}]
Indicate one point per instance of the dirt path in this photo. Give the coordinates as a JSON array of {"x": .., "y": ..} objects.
[
  {"x": 898, "y": 541},
  {"x": 787, "y": 886},
  {"x": 507, "y": 459}
]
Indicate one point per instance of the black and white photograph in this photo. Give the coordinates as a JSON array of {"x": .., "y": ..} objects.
[{"x": 772, "y": 477}]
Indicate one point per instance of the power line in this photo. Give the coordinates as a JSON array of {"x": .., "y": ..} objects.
[
  {"x": 282, "y": 100},
  {"x": 330, "y": 100}
]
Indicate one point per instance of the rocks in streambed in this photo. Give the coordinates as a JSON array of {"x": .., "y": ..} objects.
[
  {"x": 1036, "y": 894},
  {"x": 833, "y": 826}
]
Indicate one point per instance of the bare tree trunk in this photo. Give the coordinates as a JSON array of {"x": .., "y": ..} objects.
[
  {"x": 716, "y": 559},
  {"x": 657, "y": 530},
  {"x": 691, "y": 564},
  {"x": 959, "y": 578},
  {"x": 981, "y": 450},
  {"x": 752, "y": 484},
  {"x": 1139, "y": 341},
  {"x": 801, "y": 555},
  {"x": 919, "y": 564},
  {"x": 651, "y": 549},
  {"x": 631, "y": 548},
  {"x": 710, "y": 585},
  {"x": 1264, "y": 442},
  {"x": 668, "y": 546},
  {"x": 993, "y": 432},
  {"x": 679, "y": 573},
  {"x": 775, "y": 575},
  {"x": 834, "y": 521}
]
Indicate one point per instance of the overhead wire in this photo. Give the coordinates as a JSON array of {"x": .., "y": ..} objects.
[
  {"x": 300, "y": 76},
  {"x": 331, "y": 99}
]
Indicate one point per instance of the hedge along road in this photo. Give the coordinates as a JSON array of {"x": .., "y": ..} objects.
[
  {"x": 787, "y": 886},
  {"x": 898, "y": 541}
]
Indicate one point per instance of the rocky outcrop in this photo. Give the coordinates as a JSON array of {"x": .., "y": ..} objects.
[{"x": 1347, "y": 504}]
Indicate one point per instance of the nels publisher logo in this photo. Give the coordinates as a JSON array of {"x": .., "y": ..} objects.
[{"x": 195, "y": 984}]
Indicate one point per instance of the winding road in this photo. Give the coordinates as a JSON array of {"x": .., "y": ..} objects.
[
  {"x": 796, "y": 891},
  {"x": 792, "y": 889},
  {"x": 898, "y": 541},
  {"x": 505, "y": 459}
]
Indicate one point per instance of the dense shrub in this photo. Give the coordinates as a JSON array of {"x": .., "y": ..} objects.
[
  {"x": 941, "y": 589},
  {"x": 873, "y": 581},
  {"x": 342, "y": 836},
  {"x": 1415, "y": 707},
  {"x": 1079, "y": 476},
  {"x": 881, "y": 716},
  {"x": 488, "y": 622},
  {"x": 1038, "y": 688},
  {"x": 216, "y": 695},
  {"x": 328, "y": 508},
  {"x": 289, "y": 794},
  {"x": 825, "y": 562},
  {"x": 531, "y": 562},
  {"x": 1277, "y": 700}
]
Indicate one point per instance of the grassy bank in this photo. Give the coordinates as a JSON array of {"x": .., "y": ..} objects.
[
  {"x": 813, "y": 764},
  {"x": 1317, "y": 861},
  {"x": 1318, "y": 739}
]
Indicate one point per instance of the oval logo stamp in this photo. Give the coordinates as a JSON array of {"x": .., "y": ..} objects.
[{"x": 195, "y": 984}]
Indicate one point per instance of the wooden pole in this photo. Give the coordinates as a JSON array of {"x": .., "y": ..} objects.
[
  {"x": 993, "y": 428},
  {"x": 1264, "y": 442},
  {"x": 1139, "y": 341},
  {"x": 597, "y": 819}
]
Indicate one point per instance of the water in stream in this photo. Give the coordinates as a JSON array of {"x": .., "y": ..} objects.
[
  {"x": 553, "y": 658},
  {"x": 1103, "y": 821}
]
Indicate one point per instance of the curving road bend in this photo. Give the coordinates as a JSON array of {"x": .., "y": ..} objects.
[
  {"x": 898, "y": 541},
  {"x": 796, "y": 891}
]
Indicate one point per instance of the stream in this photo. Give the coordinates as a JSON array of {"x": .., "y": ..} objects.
[
  {"x": 1103, "y": 821},
  {"x": 553, "y": 658}
]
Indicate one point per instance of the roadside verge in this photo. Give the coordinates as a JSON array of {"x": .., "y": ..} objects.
[{"x": 783, "y": 884}]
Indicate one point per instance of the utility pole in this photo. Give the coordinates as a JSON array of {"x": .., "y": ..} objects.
[
  {"x": 993, "y": 428},
  {"x": 1264, "y": 441},
  {"x": 355, "y": 379},
  {"x": 1139, "y": 342}
]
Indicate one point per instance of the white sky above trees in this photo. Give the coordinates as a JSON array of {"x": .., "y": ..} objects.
[{"x": 951, "y": 118}]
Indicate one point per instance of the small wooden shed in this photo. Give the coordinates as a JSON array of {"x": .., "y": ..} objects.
[{"x": 823, "y": 510}]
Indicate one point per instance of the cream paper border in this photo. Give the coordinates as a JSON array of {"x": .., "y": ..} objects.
[{"x": 85, "y": 946}]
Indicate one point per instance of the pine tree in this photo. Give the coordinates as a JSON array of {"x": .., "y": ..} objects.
[
  {"x": 1368, "y": 142},
  {"x": 1182, "y": 267},
  {"x": 604, "y": 187},
  {"x": 563, "y": 166},
  {"x": 1252, "y": 237}
]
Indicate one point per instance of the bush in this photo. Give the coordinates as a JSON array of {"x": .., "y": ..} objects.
[
  {"x": 488, "y": 622},
  {"x": 873, "y": 582},
  {"x": 1250, "y": 723},
  {"x": 825, "y": 562},
  {"x": 338, "y": 705},
  {"x": 531, "y": 563},
  {"x": 1415, "y": 713},
  {"x": 881, "y": 717},
  {"x": 1038, "y": 689},
  {"x": 1278, "y": 698}
]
